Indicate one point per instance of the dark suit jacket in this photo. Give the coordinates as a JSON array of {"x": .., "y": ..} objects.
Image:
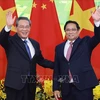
[
  {"x": 79, "y": 64},
  {"x": 19, "y": 63}
]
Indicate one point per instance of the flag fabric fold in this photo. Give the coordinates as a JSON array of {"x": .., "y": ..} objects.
[{"x": 45, "y": 29}]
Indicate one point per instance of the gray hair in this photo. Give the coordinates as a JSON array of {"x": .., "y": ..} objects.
[{"x": 22, "y": 18}]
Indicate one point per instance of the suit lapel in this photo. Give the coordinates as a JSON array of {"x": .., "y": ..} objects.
[
  {"x": 75, "y": 46},
  {"x": 20, "y": 44}
]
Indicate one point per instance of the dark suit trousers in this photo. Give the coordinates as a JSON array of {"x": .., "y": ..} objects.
[
  {"x": 23, "y": 94},
  {"x": 76, "y": 94}
]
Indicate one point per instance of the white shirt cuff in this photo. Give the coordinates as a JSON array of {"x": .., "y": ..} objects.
[
  {"x": 97, "y": 24},
  {"x": 7, "y": 29}
]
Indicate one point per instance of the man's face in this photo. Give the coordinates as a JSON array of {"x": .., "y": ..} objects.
[
  {"x": 23, "y": 29},
  {"x": 71, "y": 31}
]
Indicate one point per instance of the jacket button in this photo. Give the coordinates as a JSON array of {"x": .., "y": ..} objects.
[{"x": 68, "y": 63}]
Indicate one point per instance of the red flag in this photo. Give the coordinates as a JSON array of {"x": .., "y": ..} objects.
[
  {"x": 45, "y": 29},
  {"x": 5, "y": 6},
  {"x": 81, "y": 12}
]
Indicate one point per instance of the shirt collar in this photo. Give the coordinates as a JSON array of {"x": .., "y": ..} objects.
[
  {"x": 27, "y": 39},
  {"x": 68, "y": 41}
]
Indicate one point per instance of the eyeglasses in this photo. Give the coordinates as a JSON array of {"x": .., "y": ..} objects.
[
  {"x": 22, "y": 27},
  {"x": 73, "y": 30}
]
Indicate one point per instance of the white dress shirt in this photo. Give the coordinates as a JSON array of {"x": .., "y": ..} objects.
[{"x": 32, "y": 50}]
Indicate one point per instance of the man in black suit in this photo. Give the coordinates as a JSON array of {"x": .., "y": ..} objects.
[
  {"x": 22, "y": 54},
  {"x": 73, "y": 72}
]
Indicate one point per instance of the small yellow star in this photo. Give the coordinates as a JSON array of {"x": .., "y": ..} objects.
[
  {"x": 52, "y": 1},
  {"x": 34, "y": 5},
  {"x": 43, "y": 6}
]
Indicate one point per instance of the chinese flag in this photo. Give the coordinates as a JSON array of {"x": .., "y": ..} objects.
[
  {"x": 5, "y": 6},
  {"x": 46, "y": 30},
  {"x": 81, "y": 12}
]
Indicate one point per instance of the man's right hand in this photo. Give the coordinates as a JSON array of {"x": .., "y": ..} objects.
[
  {"x": 9, "y": 19},
  {"x": 96, "y": 15},
  {"x": 57, "y": 94}
]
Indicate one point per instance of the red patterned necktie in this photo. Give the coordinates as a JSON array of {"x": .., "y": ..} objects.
[{"x": 68, "y": 57}]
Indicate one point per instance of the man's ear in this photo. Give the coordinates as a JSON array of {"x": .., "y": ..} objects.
[{"x": 79, "y": 31}]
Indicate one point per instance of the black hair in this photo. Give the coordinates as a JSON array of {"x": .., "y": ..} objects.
[{"x": 74, "y": 22}]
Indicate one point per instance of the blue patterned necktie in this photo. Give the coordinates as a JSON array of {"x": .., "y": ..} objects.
[{"x": 27, "y": 49}]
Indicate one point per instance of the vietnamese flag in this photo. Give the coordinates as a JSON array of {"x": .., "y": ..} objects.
[
  {"x": 5, "y": 6},
  {"x": 46, "y": 30},
  {"x": 81, "y": 12}
]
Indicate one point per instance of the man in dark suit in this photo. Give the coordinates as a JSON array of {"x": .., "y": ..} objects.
[
  {"x": 22, "y": 54},
  {"x": 73, "y": 72}
]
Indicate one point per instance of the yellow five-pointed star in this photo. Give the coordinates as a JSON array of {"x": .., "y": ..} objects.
[
  {"x": 3, "y": 17},
  {"x": 52, "y": 1},
  {"x": 34, "y": 5},
  {"x": 43, "y": 6},
  {"x": 82, "y": 17}
]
